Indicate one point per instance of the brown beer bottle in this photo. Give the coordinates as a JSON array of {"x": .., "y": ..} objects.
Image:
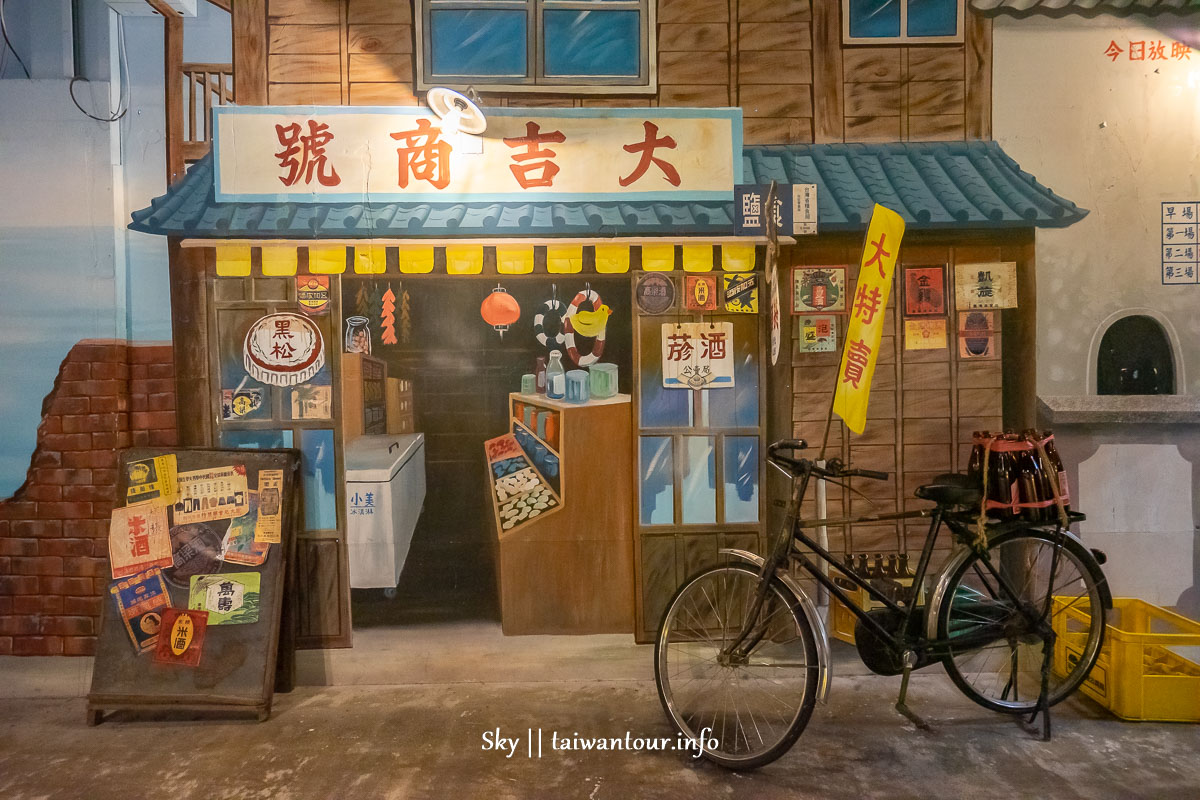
[{"x": 1054, "y": 458}]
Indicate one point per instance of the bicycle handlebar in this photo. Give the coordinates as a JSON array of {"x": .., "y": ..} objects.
[{"x": 833, "y": 469}]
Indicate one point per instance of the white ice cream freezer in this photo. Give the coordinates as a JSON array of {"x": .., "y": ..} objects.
[{"x": 385, "y": 488}]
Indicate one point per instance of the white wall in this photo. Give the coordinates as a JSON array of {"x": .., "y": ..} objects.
[{"x": 1117, "y": 138}]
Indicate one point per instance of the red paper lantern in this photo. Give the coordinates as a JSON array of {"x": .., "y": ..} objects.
[{"x": 500, "y": 309}]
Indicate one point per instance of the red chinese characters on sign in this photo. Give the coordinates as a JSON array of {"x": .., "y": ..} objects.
[
  {"x": 425, "y": 155},
  {"x": 139, "y": 537},
  {"x": 1149, "y": 50},
  {"x": 647, "y": 147},
  {"x": 858, "y": 353},
  {"x": 879, "y": 255},
  {"x": 679, "y": 347},
  {"x": 866, "y": 303},
  {"x": 534, "y": 158},
  {"x": 281, "y": 339},
  {"x": 303, "y": 155}
]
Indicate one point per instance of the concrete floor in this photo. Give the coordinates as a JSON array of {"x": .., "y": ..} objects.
[{"x": 424, "y": 739}]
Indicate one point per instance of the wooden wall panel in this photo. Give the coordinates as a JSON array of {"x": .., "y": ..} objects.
[
  {"x": 305, "y": 94},
  {"x": 775, "y": 67},
  {"x": 380, "y": 38},
  {"x": 692, "y": 11},
  {"x": 694, "y": 68},
  {"x": 379, "y": 12},
  {"x": 311, "y": 12},
  {"x": 305, "y": 39},
  {"x": 381, "y": 68},
  {"x": 303, "y": 67}
]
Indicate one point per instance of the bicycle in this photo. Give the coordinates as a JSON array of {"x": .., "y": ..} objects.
[{"x": 742, "y": 656}]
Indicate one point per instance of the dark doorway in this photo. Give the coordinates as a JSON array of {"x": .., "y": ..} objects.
[
  {"x": 462, "y": 372},
  {"x": 1135, "y": 358}
]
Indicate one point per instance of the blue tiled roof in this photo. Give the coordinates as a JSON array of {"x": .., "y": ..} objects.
[{"x": 934, "y": 185}]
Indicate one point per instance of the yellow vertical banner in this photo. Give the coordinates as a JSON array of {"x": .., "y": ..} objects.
[
  {"x": 697, "y": 258},
  {"x": 861, "y": 348},
  {"x": 658, "y": 257}
]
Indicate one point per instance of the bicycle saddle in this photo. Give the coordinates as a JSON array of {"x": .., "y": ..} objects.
[{"x": 952, "y": 489}]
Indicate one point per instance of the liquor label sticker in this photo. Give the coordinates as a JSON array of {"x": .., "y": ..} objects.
[
  {"x": 209, "y": 494},
  {"x": 992, "y": 285},
  {"x": 655, "y": 293},
  {"x": 977, "y": 334},
  {"x": 231, "y": 598},
  {"x": 237, "y": 403},
  {"x": 818, "y": 334},
  {"x": 138, "y": 539},
  {"x": 312, "y": 402},
  {"x": 924, "y": 291},
  {"x": 239, "y": 545},
  {"x": 283, "y": 350},
  {"x": 697, "y": 355},
  {"x": 270, "y": 506},
  {"x": 140, "y": 600},
  {"x": 312, "y": 293},
  {"x": 701, "y": 292},
  {"x": 181, "y": 639},
  {"x": 195, "y": 550},
  {"x": 151, "y": 479},
  {"x": 817, "y": 289},
  {"x": 741, "y": 292},
  {"x": 925, "y": 334}
]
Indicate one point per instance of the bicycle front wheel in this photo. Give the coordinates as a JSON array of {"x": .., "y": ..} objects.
[
  {"x": 743, "y": 710},
  {"x": 1056, "y": 580}
]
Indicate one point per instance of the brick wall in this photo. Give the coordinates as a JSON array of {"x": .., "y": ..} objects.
[{"x": 54, "y": 530}]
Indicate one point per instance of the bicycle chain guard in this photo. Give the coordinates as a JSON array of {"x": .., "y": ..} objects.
[{"x": 878, "y": 654}]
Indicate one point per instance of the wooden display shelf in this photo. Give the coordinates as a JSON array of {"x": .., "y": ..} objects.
[
  {"x": 519, "y": 424},
  {"x": 571, "y": 570}
]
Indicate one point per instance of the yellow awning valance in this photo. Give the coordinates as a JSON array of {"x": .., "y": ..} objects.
[{"x": 272, "y": 259}]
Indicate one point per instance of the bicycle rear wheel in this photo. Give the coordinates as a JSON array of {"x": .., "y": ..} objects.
[
  {"x": 1054, "y": 577},
  {"x": 745, "y": 711}
]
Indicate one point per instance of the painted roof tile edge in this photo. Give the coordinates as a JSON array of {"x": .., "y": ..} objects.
[{"x": 934, "y": 185}]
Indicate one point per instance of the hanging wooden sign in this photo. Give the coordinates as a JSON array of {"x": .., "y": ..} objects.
[
  {"x": 991, "y": 285},
  {"x": 697, "y": 355}
]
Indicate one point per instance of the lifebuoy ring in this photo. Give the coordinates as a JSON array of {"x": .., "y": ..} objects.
[
  {"x": 557, "y": 307},
  {"x": 589, "y": 296}
]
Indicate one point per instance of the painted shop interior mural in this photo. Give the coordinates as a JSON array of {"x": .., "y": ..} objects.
[{"x": 528, "y": 289}]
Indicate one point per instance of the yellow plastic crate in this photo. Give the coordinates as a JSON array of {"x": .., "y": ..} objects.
[{"x": 1139, "y": 676}]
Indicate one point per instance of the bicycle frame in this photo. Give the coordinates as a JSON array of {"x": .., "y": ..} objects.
[{"x": 785, "y": 548}]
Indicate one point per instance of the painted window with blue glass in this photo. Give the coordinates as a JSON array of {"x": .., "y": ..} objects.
[
  {"x": 547, "y": 45},
  {"x": 902, "y": 21}
]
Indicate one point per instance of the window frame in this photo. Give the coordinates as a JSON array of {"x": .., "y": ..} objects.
[
  {"x": 958, "y": 38},
  {"x": 645, "y": 82}
]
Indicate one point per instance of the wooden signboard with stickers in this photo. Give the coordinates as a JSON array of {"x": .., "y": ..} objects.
[{"x": 199, "y": 613}]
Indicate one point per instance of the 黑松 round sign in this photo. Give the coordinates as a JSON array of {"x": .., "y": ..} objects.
[{"x": 283, "y": 350}]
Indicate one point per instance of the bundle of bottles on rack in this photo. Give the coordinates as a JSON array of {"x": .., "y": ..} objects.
[
  {"x": 891, "y": 573},
  {"x": 1020, "y": 472}
]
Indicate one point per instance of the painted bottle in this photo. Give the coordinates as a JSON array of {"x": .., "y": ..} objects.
[
  {"x": 556, "y": 377},
  {"x": 540, "y": 374}
]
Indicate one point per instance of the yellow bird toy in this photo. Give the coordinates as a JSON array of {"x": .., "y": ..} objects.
[{"x": 591, "y": 323}]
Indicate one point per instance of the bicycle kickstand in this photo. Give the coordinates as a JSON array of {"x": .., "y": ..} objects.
[
  {"x": 901, "y": 705},
  {"x": 1043, "y": 703}
]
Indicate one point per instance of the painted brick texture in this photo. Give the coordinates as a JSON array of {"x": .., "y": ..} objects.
[{"x": 54, "y": 530}]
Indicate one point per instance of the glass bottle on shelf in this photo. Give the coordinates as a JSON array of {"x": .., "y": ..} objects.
[
  {"x": 556, "y": 377},
  {"x": 540, "y": 374},
  {"x": 358, "y": 335}
]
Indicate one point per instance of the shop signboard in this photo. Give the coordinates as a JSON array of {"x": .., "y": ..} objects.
[
  {"x": 697, "y": 355},
  {"x": 795, "y": 209},
  {"x": 309, "y": 154},
  {"x": 1180, "y": 248}
]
